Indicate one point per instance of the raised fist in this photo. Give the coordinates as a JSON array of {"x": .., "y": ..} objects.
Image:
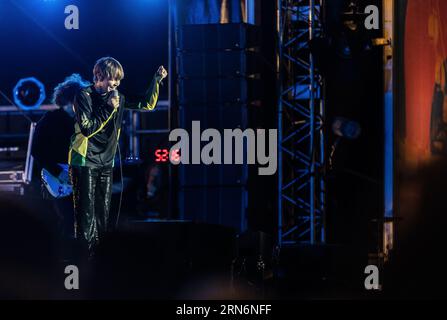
[{"x": 162, "y": 73}]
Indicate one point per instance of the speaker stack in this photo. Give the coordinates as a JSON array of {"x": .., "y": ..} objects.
[{"x": 218, "y": 84}]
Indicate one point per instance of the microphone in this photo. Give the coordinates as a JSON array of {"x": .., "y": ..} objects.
[{"x": 114, "y": 94}]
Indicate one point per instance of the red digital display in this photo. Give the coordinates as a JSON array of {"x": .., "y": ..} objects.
[
  {"x": 162, "y": 155},
  {"x": 175, "y": 155}
]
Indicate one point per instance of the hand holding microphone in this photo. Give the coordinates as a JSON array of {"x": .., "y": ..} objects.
[{"x": 114, "y": 99}]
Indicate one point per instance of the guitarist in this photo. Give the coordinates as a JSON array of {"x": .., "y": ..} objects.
[{"x": 51, "y": 143}]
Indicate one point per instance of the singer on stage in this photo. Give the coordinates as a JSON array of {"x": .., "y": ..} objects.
[{"x": 99, "y": 110}]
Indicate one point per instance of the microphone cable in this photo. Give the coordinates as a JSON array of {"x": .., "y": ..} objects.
[
  {"x": 121, "y": 167},
  {"x": 121, "y": 176}
]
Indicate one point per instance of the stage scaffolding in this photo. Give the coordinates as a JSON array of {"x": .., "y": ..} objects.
[{"x": 301, "y": 156}]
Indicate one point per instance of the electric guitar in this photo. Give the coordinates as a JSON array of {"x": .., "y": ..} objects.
[{"x": 60, "y": 186}]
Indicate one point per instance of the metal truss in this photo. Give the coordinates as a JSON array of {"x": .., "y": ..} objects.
[{"x": 301, "y": 156}]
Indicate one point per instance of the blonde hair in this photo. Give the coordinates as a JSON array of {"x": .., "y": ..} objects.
[{"x": 107, "y": 67}]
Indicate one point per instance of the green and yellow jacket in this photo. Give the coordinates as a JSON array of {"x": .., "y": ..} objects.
[{"x": 97, "y": 126}]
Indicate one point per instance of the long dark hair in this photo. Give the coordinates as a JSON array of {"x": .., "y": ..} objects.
[{"x": 65, "y": 92}]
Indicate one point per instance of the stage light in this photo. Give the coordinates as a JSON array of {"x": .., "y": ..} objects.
[
  {"x": 346, "y": 128},
  {"x": 29, "y": 93}
]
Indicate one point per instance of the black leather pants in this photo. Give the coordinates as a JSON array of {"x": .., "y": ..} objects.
[{"x": 92, "y": 195}]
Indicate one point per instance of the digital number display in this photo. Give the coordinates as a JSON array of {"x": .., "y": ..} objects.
[{"x": 162, "y": 155}]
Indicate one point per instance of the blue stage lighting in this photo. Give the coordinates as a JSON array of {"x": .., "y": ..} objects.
[{"x": 29, "y": 93}]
